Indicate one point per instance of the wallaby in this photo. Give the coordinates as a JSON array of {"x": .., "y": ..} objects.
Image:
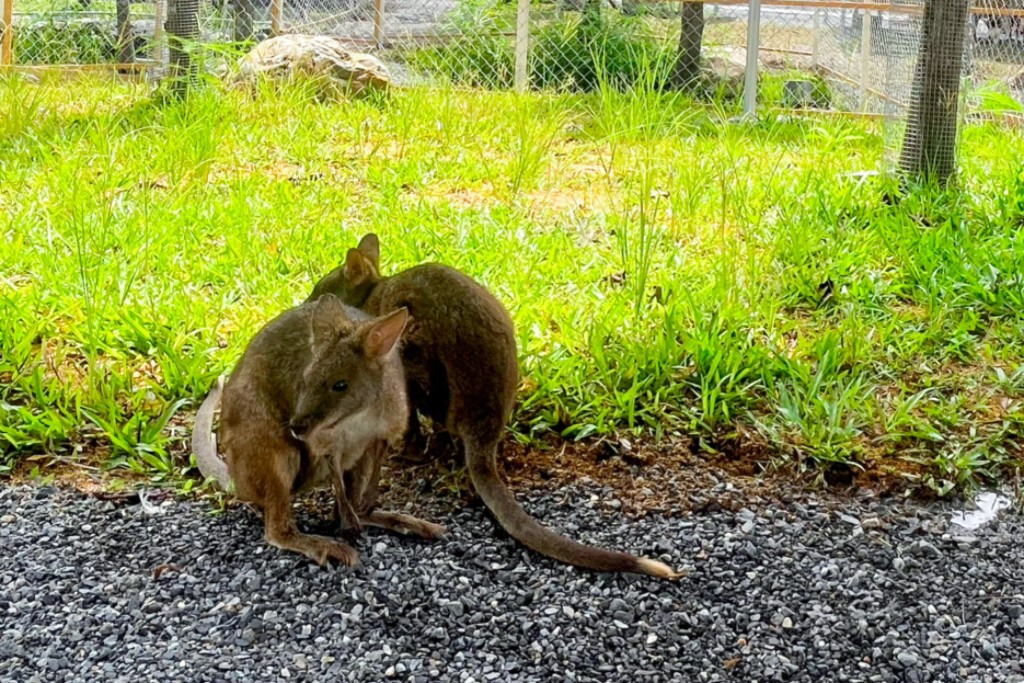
[
  {"x": 461, "y": 366},
  {"x": 316, "y": 398}
]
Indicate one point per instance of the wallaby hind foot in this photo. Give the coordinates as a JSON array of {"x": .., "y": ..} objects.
[
  {"x": 281, "y": 532},
  {"x": 404, "y": 524},
  {"x": 320, "y": 549}
]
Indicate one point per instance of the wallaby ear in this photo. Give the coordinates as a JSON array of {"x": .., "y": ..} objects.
[
  {"x": 384, "y": 333},
  {"x": 329, "y": 320},
  {"x": 357, "y": 269},
  {"x": 369, "y": 247}
]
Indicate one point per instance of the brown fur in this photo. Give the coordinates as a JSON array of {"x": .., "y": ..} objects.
[
  {"x": 315, "y": 400},
  {"x": 461, "y": 365}
]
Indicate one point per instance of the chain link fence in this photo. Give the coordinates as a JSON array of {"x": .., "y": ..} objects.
[
  {"x": 83, "y": 32},
  {"x": 866, "y": 56},
  {"x": 122, "y": 35},
  {"x": 841, "y": 55},
  {"x": 832, "y": 54}
]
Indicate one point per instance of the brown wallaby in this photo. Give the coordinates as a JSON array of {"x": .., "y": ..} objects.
[
  {"x": 461, "y": 366},
  {"x": 315, "y": 400}
]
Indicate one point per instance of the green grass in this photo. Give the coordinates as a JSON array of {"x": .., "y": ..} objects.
[{"x": 669, "y": 273}]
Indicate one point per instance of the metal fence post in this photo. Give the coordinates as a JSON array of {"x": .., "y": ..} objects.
[
  {"x": 7, "y": 34},
  {"x": 750, "y": 73},
  {"x": 522, "y": 45}
]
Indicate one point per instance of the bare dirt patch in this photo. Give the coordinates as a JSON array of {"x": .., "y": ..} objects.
[{"x": 672, "y": 477}]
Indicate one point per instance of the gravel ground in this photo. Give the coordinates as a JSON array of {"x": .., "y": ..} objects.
[{"x": 813, "y": 589}]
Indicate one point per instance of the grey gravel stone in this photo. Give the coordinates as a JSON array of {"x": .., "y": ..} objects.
[
  {"x": 907, "y": 659},
  {"x": 799, "y": 598}
]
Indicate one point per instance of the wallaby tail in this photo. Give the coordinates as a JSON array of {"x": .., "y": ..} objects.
[
  {"x": 204, "y": 442},
  {"x": 528, "y": 531}
]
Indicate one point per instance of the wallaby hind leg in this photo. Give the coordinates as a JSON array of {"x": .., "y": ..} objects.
[
  {"x": 363, "y": 480},
  {"x": 345, "y": 515},
  {"x": 404, "y": 524},
  {"x": 363, "y": 490},
  {"x": 282, "y": 533},
  {"x": 414, "y": 443},
  {"x": 279, "y": 521}
]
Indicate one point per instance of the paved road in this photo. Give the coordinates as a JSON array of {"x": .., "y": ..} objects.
[{"x": 811, "y": 590}]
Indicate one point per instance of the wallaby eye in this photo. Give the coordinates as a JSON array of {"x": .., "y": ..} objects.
[{"x": 340, "y": 387}]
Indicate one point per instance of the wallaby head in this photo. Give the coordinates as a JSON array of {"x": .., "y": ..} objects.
[
  {"x": 354, "y": 280},
  {"x": 351, "y": 370}
]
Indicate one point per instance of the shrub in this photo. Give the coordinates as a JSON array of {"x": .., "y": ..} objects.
[{"x": 56, "y": 41}]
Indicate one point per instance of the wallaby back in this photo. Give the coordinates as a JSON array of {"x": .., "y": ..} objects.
[{"x": 461, "y": 365}]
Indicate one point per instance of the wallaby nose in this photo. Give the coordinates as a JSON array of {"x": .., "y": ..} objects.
[{"x": 299, "y": 429}]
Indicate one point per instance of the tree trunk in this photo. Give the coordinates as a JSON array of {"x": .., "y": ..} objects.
[
  {"x": 245, "y": 18},
  {"x": 125, "y": 40},
  {"x": 686, "y": 72},
  {"x": 182, "y": 28},
  {"x": 929, "y": 144}
]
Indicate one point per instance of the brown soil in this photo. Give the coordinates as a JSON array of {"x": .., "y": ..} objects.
[{"x": 671, "y": 477}]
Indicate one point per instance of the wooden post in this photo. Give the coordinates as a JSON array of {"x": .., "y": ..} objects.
[
  {"x": 125, "y": 39},
  {"x": 865, "y": 60},
  {"x": 276, "y": 9},
  {"x": 378, "y": 23},
  {"x": 7, "y": 36},
  {"x": 753, "y": 47},
  {"x": 687, "y": 70},
  {"x": 522, "y": 45}
]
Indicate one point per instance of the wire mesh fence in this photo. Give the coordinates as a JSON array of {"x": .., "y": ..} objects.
[
  {"x": 867, "y": 56},
  {"x": 83, "y": 32},
  {"x": 121, "y": 34},
  {"x": 843, "y": 55}
]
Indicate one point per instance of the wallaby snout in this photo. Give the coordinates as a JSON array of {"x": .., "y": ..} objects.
[
  {"x": 308, "y": 413},
  {"x": 298, "y": 428}
]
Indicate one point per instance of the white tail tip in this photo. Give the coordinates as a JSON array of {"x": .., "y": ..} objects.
[{"x": 658, "y": 569}]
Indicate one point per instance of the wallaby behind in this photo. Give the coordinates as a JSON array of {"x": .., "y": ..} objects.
[
  {"x": 461, "y": 365},
  {"x": 314, "y": 400}
]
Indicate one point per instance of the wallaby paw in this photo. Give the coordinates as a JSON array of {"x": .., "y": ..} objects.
[
  {"x": 339, "y": 553},
  {"x": 431, "y": 531},
  {"x": 422, "y": 528},
  {"x": 320, "y": 549}
]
